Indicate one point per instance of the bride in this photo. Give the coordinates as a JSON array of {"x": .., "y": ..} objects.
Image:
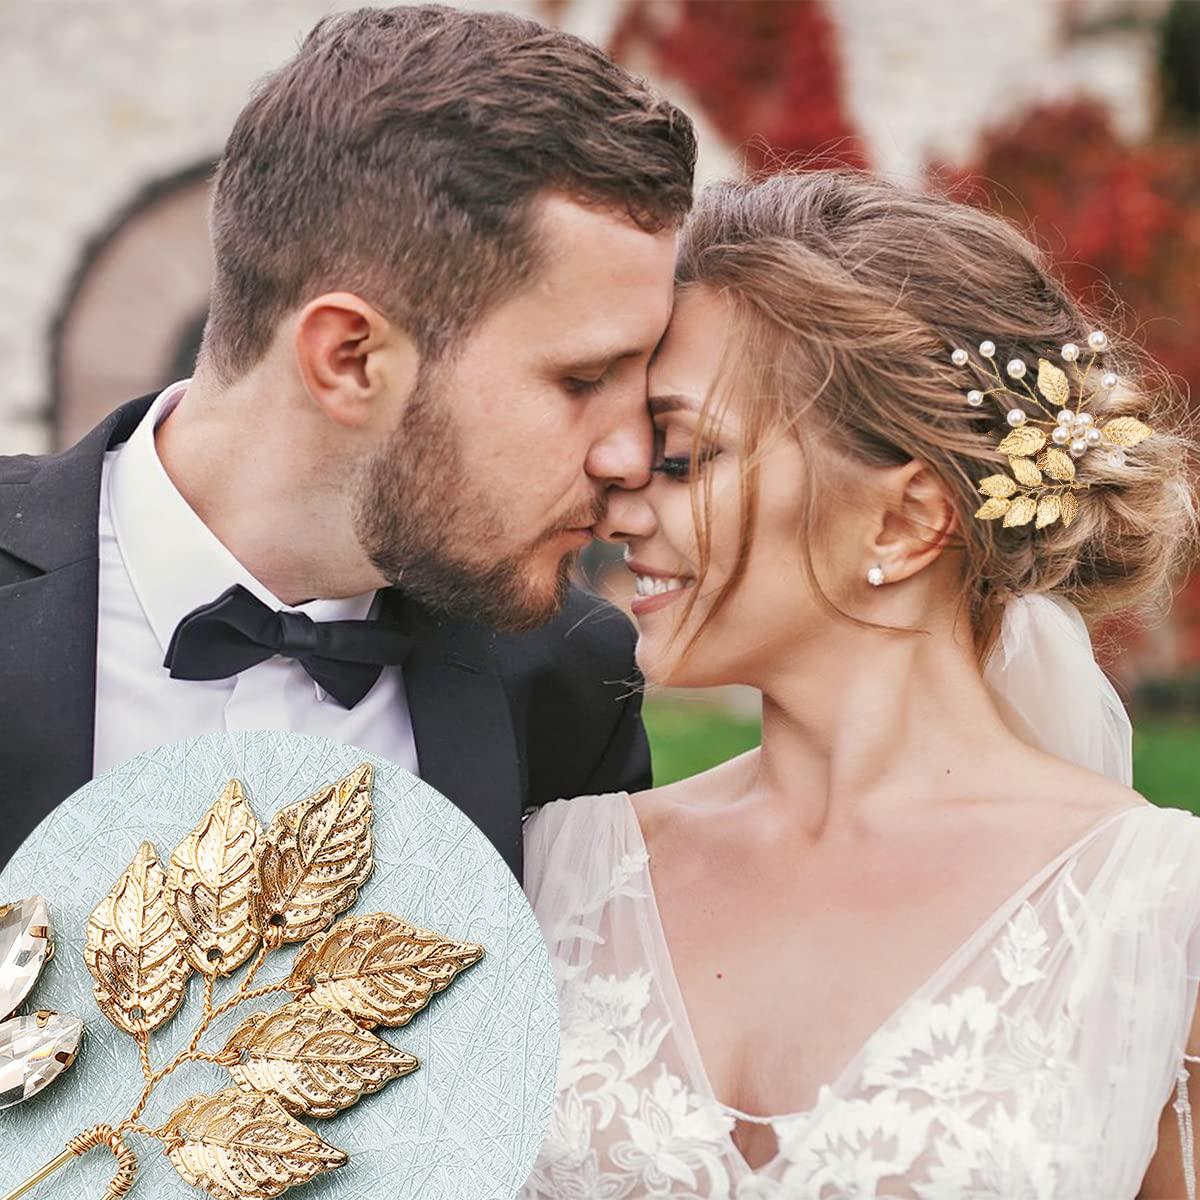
[{"x": 925, "y": 941}]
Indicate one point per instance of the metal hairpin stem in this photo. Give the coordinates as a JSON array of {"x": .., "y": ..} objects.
[{"x": 98, "y": 1135}]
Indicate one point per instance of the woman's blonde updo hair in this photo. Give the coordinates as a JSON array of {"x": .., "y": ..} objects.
[{"x": 848, "y": 295}]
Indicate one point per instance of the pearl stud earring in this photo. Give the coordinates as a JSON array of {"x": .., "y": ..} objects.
[{"x": 875, "y": 576}]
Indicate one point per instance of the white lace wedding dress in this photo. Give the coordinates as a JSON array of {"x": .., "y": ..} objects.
[{"x": 1032, "y": 1065}]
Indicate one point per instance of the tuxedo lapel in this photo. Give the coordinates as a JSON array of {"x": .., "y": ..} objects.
[
  {"x": 49, "y": 584},
  {"x": 49, "y": 579},
  {"x": 462, "y": 725}
]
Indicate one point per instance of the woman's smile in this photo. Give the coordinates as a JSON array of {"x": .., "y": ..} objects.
[{"x": 655, "y": 589}]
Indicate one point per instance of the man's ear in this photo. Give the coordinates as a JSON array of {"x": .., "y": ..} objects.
[
  {"x": 918, "y": 521},
  {"x": 351, "y": 358}
]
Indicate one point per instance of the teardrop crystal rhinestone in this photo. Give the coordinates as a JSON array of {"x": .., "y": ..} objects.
[
  {"x": 25, "y": 940},
  {"x": 34, "y": 1052}
]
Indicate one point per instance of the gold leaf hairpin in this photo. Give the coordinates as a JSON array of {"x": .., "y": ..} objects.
[
  {"x": 232, "y": 892},
  {"x": 1042, "y": 453}
]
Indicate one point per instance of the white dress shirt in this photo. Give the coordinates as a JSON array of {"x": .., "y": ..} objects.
[{"x": 158, "y": 561}]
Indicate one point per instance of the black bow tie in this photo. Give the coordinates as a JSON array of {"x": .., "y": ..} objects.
[{"x": 237, "y": 631}]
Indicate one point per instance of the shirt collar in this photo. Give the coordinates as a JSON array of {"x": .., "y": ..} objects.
[{"x": 174, "y": 561}]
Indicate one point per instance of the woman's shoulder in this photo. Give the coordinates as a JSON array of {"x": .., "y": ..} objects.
[
  {"x": 1065, "y": 802},
  {"x": 659, "y": 808}
]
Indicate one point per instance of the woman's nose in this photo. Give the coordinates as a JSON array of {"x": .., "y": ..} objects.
[{"x": 629, "y": 517}]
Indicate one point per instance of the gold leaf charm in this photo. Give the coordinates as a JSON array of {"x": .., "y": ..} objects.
[
  {"x": 1070, "y": 507},
  {"x": 998, "y": 486},
  {"x": 1021, "y": 512},
  {"x": 1126, "y": 431},
  {"x": 1022, "y": 442},
  {"x": 209, "y": 881},
  {"x": 315, "y": 856},
  {"x": 997, "y": 506},
  {"x": 1026, "y": 472},
  {"x": 378, "y": 969},
  {"x": 1049, "y": 509},
  {"x": 244, "y": 1146},
  {"x": 133, "y": 949},
  {"x": 1052, "y": 383},
  {"x": 1057, "y": 465},
  {"x": 314, "y": 1060}
]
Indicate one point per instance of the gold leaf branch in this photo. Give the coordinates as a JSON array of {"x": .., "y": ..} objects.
[
  {"x": 314, "y": 858},
  {"x": 232, "y": 888},
  {"x": 208, "y": 886},
  {"x": 1044, "y": 490},
  {"x": 134, "y": 949},
  {"x": 244, "y": 1146},
  {"x": 314, "y": 1060},
  {"x": 378, "y": 969}
]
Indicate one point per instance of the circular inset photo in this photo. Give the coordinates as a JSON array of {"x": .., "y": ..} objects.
[{"x": 259, "y": 964}]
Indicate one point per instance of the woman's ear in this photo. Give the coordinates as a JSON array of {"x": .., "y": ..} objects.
[
  {"x": 353, "y": 360},
  {"x": 919, "y": 519}
]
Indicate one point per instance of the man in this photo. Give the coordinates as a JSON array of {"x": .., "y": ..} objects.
[{"x": 444, "y": 247}]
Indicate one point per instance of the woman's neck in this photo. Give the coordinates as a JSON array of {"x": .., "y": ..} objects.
[{"x": 866, "y": 727}]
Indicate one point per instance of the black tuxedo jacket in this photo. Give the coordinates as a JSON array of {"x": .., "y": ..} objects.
[{"x": 502, "y": 722}]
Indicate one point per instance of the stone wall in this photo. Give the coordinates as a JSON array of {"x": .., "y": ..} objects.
[{"x": 99, "y": 100}]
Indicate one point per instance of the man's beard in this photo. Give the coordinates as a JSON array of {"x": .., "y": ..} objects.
[{"x": 422, "y": 524}]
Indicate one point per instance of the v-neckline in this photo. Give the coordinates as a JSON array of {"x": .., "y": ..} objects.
[{"x": 686, "y": 1036}]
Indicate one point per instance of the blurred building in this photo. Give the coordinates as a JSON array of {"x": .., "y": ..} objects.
[{"x": 112, "y": 114}]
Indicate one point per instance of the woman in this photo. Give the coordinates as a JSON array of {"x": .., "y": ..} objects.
[{"x": 900, "y": 949}]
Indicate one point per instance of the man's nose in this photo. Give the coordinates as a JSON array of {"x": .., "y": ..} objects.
[{"x": 623, "y": 456}]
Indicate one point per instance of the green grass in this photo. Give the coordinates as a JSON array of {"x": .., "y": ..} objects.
[
  {"x": 688, "y": 737},
  {"x": 1166, "y": 763}
]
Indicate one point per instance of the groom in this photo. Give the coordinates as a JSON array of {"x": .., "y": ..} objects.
[{"x": 443, "y": 247}]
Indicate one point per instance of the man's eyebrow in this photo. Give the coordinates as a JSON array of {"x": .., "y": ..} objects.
[
  {"x": 670, "y": 403},
  {"x": 597, "y": 361}
]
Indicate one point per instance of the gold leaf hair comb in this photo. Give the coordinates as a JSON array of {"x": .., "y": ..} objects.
[
  {"x": 234, "y": 892},
  {"x": 1043, "y": 452}
]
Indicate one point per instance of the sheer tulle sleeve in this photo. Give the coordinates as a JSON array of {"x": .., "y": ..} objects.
[
  {"x": 1191, "y": 873},
  {"x": 575, "y": 852},
  {"x": 541, "y": 832},
  {"x": 1181, "y": 863}
]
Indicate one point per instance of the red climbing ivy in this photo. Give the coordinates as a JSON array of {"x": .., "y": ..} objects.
[{"x": 765, "y": 72}]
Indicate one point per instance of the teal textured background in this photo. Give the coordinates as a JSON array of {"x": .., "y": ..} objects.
[{"x": 466, "y": 1126}]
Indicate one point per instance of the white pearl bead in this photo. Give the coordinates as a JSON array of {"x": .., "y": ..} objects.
[
  {"x": 987, "y": 349},
  {"x": 1116, "y": 458},
  {"x": 1093, "y": 437},
  {"x": 1078, "y": 448},
  {"x": 959, "y": 358},
  {"x": 1066, "y": 416},
  {"x": 1061, "y": 435},
  {"x": 1016, "y": 369},
  {"x": 875, "y": 577},
  {"x": 1108, "y": 381},
  {"x": 1097, "y": 340},
  {"x": 1016, "y": 416},
  {"x": 1070, "y": 352},
  {"x": 974, "y": 397},
  {"x": 1085, "y": 419}
]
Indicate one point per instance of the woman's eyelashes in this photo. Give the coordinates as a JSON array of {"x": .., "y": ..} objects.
[
  {"x": 681, "y": 466},
  {"x": 674, "y": 468}
]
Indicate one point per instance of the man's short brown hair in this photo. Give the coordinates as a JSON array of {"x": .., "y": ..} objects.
[{"x": 397, "y": 156}]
